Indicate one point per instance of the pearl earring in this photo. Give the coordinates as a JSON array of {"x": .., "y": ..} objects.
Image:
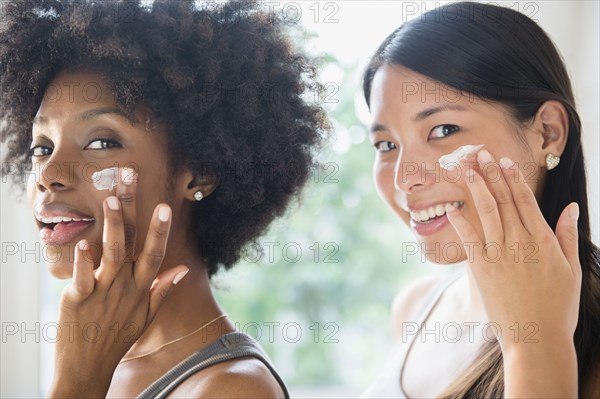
[
  {"x": 551, "y": 161},
  {"x": 198, "y": 195}
]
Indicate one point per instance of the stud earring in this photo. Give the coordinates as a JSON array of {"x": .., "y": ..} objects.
[
  {"x": 198, "y": 195},
  {"x": 551, "y": 161}
]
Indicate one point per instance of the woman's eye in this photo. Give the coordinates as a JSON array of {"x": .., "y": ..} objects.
[
  {"x": 40, "y": 151},
  {"x": 384, "y": 146},
  {"x": 102, "y": 144},
  {"x": 445, "y": 130}
]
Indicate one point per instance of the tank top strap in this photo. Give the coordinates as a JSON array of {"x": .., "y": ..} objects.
[
  {"x": 432, "y": 300},
  {"x": 230, "y": 346}
]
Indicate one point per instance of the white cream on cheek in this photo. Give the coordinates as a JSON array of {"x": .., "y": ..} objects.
[
  {"x": 105, "y": 179},
  {"x": 453, "y": 159}
]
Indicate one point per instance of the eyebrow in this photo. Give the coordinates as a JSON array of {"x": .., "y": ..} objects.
[
  {"x": 421, "y": 115},
  {"x": 87, "y": 115}
]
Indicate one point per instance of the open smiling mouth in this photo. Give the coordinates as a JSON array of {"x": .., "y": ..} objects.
[
  {"x": 433, "y": 219},
  {"x": 62, "y": 230},
  {"x": 433, "y": 213}
]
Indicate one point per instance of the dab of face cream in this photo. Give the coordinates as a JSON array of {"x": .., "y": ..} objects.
[
  {"x": 105, "y": 179},
  {"x": 453, "y": 159}
]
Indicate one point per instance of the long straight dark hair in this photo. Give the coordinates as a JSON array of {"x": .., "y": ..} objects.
[{"x": 501, "y": 55}]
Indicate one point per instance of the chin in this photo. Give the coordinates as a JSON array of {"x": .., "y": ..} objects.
[
  {"x": 59, "y": 260},
  {"x": 446, "y": 253},
  {"x": 441, "y": 261},
  {"x": 61, "y": 270}
]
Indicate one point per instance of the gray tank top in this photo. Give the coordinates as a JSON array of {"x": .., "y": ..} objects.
[
  {"x": 389, "y": 382},
  {"x": 230, "y": 346}
]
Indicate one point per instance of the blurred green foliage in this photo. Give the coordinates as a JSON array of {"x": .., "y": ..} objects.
[{"x": 329, "y": 269}]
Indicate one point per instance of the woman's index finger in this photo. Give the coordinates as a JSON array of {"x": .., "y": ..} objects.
[{"x": 126, "y": 192}]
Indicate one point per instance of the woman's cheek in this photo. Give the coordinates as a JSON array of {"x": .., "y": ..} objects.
[{"x": 384, "y": 182}]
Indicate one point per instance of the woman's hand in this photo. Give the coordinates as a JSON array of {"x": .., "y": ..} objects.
[
  {"x": 529, "y": 278},
  {"x": 106, "y": 310}
]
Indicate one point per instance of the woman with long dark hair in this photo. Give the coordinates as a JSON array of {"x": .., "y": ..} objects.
[{"x": 478, "y": 148}]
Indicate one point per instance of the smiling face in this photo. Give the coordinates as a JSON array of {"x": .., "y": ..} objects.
[
  {"x": 79, "y": 129},
  {"x": 415, "y": 121}
]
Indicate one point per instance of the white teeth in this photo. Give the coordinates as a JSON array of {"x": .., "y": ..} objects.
[
  {"x": 433, "y": 211},
  {"x": 439, "y": 210},
  {"x": 60, "y": 219}
]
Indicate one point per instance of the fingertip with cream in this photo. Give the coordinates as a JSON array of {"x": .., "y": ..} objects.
[{"x": 128, "y": 176}]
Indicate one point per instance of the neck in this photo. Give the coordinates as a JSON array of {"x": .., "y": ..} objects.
[{"x": 189, "y": 306}]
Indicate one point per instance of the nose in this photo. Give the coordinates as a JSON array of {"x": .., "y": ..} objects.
[
  {"x": 55, "y": 174},
  {"x": 413, "y": 172}
]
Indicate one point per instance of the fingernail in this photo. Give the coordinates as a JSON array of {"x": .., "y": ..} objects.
[
  {"x": 470, "y": 173},
  {"x": 484, "y": 156},
  {"x": 128, "y": 176},
  {"x": 450, "y": 208},
  {"x": 83, "y": 245},
  {"x": 574, "y": 211},
  {"x": 179, "y": 276},
  {"x": 506, "y": 163},
  {"x": 163, "y": 213},
  {"x": 113, "y": 203}
]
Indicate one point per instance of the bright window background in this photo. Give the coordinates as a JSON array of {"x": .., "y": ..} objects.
[{"x": 318, "y": 299}]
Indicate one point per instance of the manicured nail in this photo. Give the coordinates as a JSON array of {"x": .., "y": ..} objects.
[
  {"x": 506, "y": 163},
  {"x": 113, "y": 203},
  {"x": 179, "y": 276},
  {"x": 82, "y": 245},
  {"x": 128, "y": 176},
  {"x": 574, "y": 211},
  {"x": 484, "y": 156},
  {"x": 164, "y": 212}
]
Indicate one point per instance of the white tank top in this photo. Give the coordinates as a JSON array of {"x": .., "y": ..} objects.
[{"x": 388, "y": 384}]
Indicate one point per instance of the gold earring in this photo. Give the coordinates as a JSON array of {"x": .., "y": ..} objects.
[
  {"x": 198, "y": 195},
  {"x": 551, "y": 161}
]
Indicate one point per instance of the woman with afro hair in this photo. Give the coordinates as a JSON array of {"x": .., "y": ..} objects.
[{"x": 155, "y": 140}]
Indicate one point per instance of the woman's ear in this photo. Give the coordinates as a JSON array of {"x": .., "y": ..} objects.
[
  {"x": 198, "y": 186},
  {"x": 551, "y": 127}
]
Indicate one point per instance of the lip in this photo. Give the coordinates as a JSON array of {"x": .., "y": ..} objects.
[
  {"x": 430, "y": 228},
  {"x": 64, "y": 232}
]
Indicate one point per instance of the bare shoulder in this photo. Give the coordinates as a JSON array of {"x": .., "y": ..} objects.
[
  {"x": 240, "y": 378},
  {"x": 410, "y": 300}
]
